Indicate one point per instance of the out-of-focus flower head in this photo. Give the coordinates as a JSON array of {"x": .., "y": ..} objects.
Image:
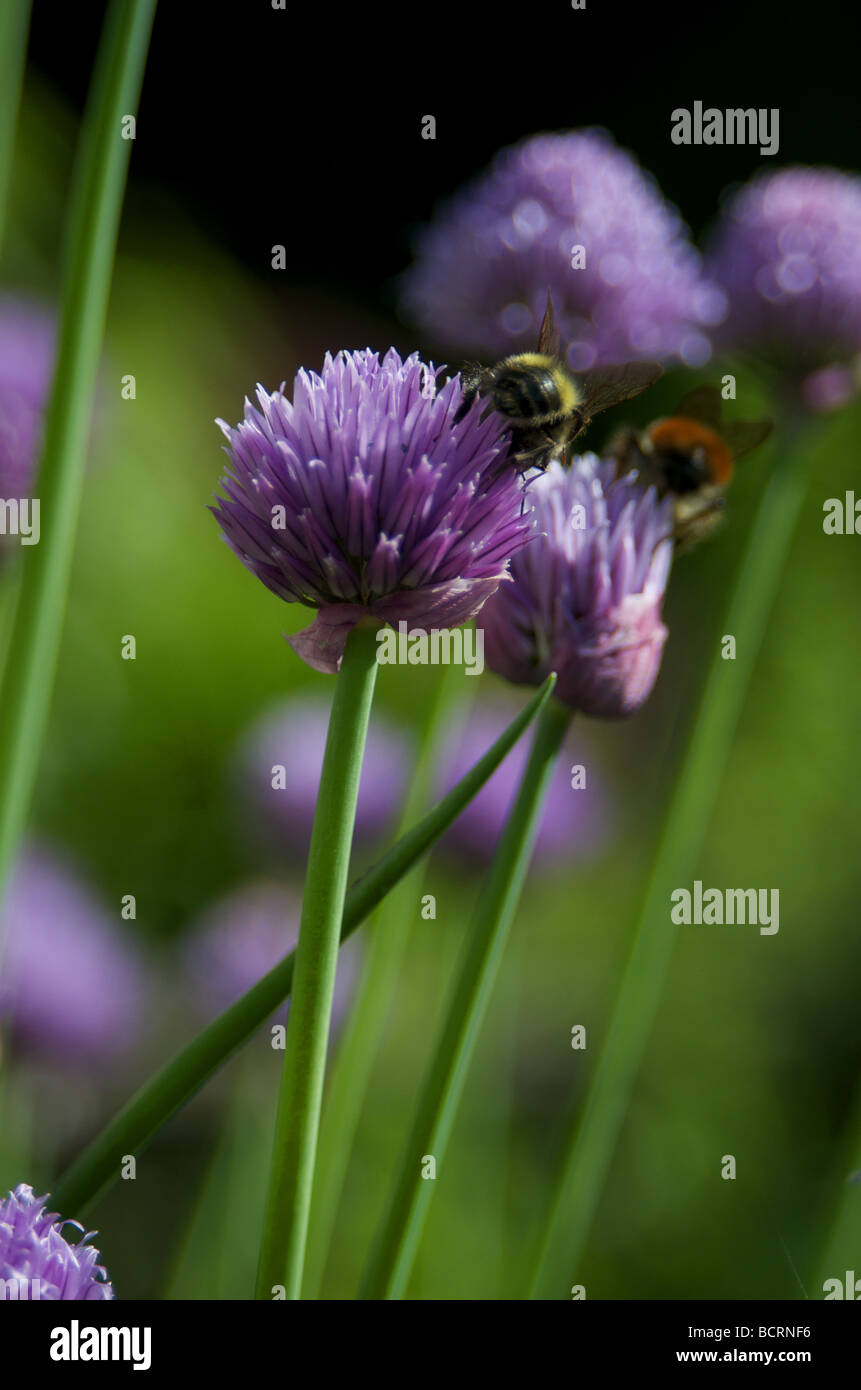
[
  {"x": 72, "y": 987},
  {"x": 241, "y": 937},
  {"x": 829, "y": 388},
  {"x": 587, "y": 593},
  {"x": 485, "y": 265},
  {"x": 787, "y": 251},
  {"x": 574, "y": 823},
  {"x": 36, "y": 1260},
  {"x": 27, "y": 336},
  {"x": 291, "y": 735},
  {"x": 361, "y": 497}
]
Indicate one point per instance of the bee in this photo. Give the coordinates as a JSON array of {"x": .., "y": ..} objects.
[
  {"x": 545, "y": 403},
  {"x": 691, "y": 455}
]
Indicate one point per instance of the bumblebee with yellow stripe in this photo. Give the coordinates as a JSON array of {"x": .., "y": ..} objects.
[{"x": 546, "y": 404}]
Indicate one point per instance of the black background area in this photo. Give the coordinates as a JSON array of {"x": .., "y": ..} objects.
[{"x": 303, "y": 126}]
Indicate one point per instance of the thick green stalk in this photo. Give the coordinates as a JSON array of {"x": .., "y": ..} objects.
[
  {"x": 14, "y": 25},
  {"x": 360, "y": 1040},
  {"x": 689, "y": 810},
  {"x": 291, "y": 1178},
  {"x": 391, "y": 1263},
  {"x": 160, "y": 1097},
  {"x": 94, "y": 219}
]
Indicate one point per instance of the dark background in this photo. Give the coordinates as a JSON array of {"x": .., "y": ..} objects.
[{"x": 263, "y": 121}]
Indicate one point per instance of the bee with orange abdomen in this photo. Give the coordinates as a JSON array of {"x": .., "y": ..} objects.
[{"x": 691, "y": 455}]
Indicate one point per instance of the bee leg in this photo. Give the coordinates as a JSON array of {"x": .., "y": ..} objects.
[
  {"x": 533, "y": 451},
  {"x": 551, "y": 450},
  {"x": 698, "y": 525},
  {"x": 536, "y": 474},
  {"x": 527, "y": 480},
  {"x": 525, "y": 488}
]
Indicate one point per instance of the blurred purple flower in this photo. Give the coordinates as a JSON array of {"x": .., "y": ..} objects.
[
  {"x": 829, "y": 388},
  {"x": 574, "y": 822},
  {"x": 485, "y": 265},
  {"x": 26, "y": 360},
  {"x": 787, "y": 250},
  {"x": 241, "y": 937},
  {"x": 363, "y": 498},
  {"x": 71, "y": 985},
  {"x": 292, "y": 735},
  {"x": 587, "y": 592},
  {"x": 38, "y": 1262}
]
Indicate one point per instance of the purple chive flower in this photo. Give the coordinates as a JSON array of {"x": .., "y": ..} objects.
[
  {"x": 787, "y": 251},
  {"x": 574, "y": 822},
  {"x": 362, "y": 498},
  {"x": 71, "y": 986},
  {"x": 26, "y": 361},
  {"x": 292, "y": 735},
  {"x": 587, "y": 593},
  {"x": 36, "y": 1260},
  {"x": 485, "y": 265},
  {"x": 241, "y": 937}
]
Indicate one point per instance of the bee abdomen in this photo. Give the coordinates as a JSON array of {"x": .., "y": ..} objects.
[{"x": 528, "y": 393}]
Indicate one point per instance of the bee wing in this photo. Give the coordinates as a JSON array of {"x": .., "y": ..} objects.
[
  {"x": 744, "y": 435},
  {"x": 606, "y": 386},
  {"x": 703, "y": 404},
  {"x": 548, "y": 338},
  {"x": 623, "y": 447}
]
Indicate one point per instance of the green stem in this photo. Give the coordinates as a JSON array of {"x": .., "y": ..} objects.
[
  {"x": 389, "y": 1269},
  {"x": 359, "y": 1043},
  {"x": 689, "y": 810},
  {"x": 14, "y": 26},
  {"x": 285, "y": 1226},
  {"x": 9, "y": 586},
  {"x": 93, "y": 225},
  {"x": 160, "y": 1097}
]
